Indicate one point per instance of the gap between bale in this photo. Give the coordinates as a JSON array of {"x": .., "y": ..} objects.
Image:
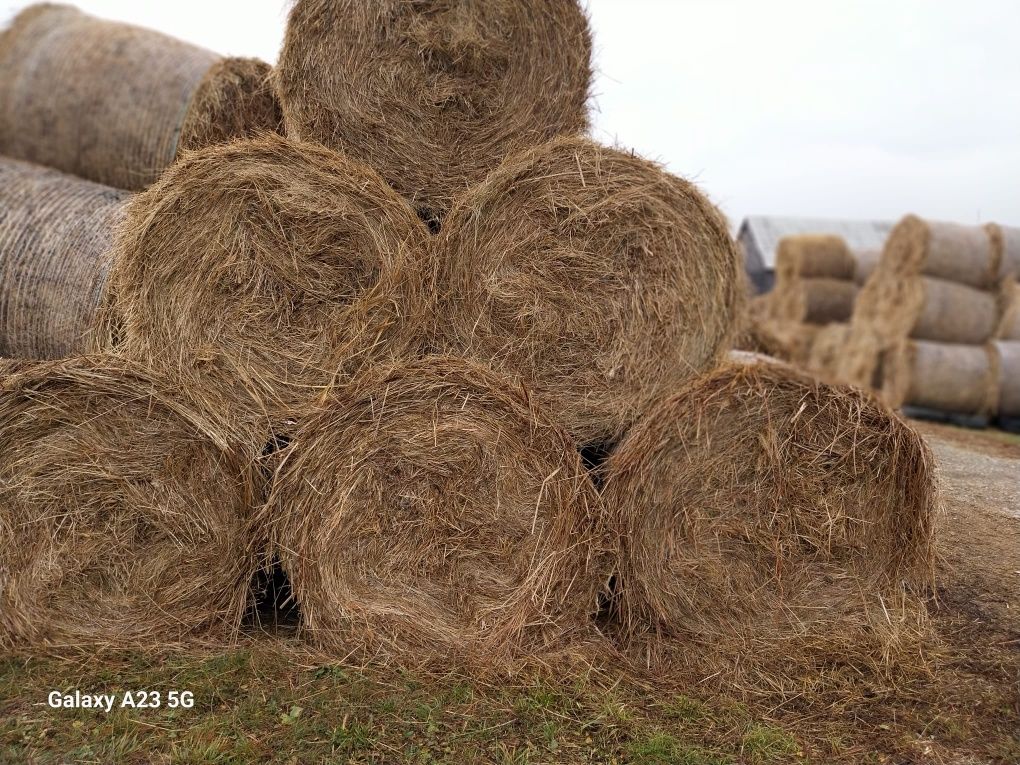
[
  {"x": 771, "y": 521},
  {"x": 434, "y": 94},
  {"x": 124, "y": 511},
  {"x": 428, "y": 511},
  {"x": 590, "y": 275},
  {"x": 56, "y": 233},
  {"x": 115, "y": 103}
]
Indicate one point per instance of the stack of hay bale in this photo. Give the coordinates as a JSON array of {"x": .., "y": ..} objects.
[
  {"x": 922, "y": 329},
  {"x": 374, "y": 351}
]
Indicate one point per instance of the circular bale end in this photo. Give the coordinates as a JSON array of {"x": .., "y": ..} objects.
[
  {"x": 124, "y": 512},
  {"x": 769, "y": 516},
  {"x": 234, "y": 100},
  {"x": 434, "y": 94},
  {"x": 236, "y": 272},
  {"x": 591, "y": 275},
  {"x": 428, "y": 510}
]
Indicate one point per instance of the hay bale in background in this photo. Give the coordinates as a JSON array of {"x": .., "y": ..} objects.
[
  {"x": 124, "y": 510},
  {"x": 429, "y": 510},
  {"x": 956, "y": 253},
  {"x": 814, "y": 256},
  {"x": 928, "y": 308},
  {"x": 116, "y": 103},
  {"x": 592, "y": 276},
  {"x": 1009, "y": 302},
  {"x": 766, "y": 514},
  {"x": 1006, "y": 244},
  {"x": 236, "y": 271},
  {"x": 55, "y": 235},
  {"x": 866, "y": 263},
  {"x": 960, "y": 379},
  {"x": 1007, "y": 362},
  {"x": 828, "y": 349},
  {"x": 434, "y": 94},
  {"x": 814, "y": 300}
]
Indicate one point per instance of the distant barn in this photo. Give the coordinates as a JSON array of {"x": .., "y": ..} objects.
[{"x": 759, "y": 235}]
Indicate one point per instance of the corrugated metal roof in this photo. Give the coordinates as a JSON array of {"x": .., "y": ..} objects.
[{"x": 760, "y": 234}]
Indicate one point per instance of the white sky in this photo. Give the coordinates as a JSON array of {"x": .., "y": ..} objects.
[{"x": 862, "y": 109}]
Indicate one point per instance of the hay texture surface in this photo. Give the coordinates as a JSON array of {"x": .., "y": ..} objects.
[
  {"x": 766, "y": 514},
  {"x": 56, "y": 233},
  {"x": 961, "y": 379},
  {"x": 115, "y": 103},
  {"x": 591, "y": 275},
  {"x": 235, "y": 272},
  {"x": 123, "y": 511},
  {"x": 434, "y": 94},
  {"x": 814, "y": 300},
  {"x": 1009, "y": 301},
  {"x": 1006, "y": 245},
  {"x": 817, "y": 256},
  {"x": 928, "y": 308},
  {"x": 950, "y": 251},
  {"x": 431, "y": 510},
  {"x": 1007, "y": 355}
]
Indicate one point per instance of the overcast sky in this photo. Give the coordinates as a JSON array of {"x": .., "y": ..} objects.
[{"x": 863, "y": 109}]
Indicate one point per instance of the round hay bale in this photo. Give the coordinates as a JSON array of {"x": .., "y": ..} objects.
[
  {"x": 815, "y": 300},
  {"x": 1008, "y": 363},
  {"x": 928, "y": 308},
  {"x": 960, "y": 379},
  {"x": 429, "y": 509},
  {"x": 56, "y": 233},
  {"x": 866, "y": 263},
  {"x": 434, "y": 94},
  {"x": 765, "y": 514},
  {"x": 238, "y": 271},
  {"x": 956, "y": 253},
  {"x": 828, "y": 349},
  {"x": 815, "y": 256},
  {"x": 1006, "y": 244},
  {"x": 1009, "y": 302},
  {"x": 124, "y": 510},
  {"x": 592, "y": 276},
  {"x": 115, "y": 103}
]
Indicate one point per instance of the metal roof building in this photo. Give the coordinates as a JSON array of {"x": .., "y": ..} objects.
[{"x": 759, "y": 235}]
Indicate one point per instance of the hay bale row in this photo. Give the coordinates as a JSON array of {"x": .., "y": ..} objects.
[
  {"x": 434, "y": 95},
  {"x": 945, "y": 377},
  {"x": 1007, "y": 355},
  {"x": 124, "y": 511},
  {"x": 117, "y": 104},
  {"x": 56, "y": 233},
  {"x": 765, "y": 515}
]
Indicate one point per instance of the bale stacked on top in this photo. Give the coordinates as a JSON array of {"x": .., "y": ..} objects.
[
  {"x": 592, "y": 276},
  {"x": 241, "y": 272},
  {"x": 115, "y": 103},
  {"x": 765, "y": 515},
  {"x": 814, "y": 280},
  {"x": 1007, "y": 363},
  {"x": 434, "y": 94},
  {"x": 943, "y": 377},
  {"x": 56, "y": 232},
  {"x": 124, "y": 510},
  {"x": 429, "y": 510}
]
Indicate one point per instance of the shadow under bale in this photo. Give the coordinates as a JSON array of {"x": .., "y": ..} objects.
[
  {"x": 434, "y": 93},
  {"x": 124, "y": 511},
  {"x": 770, "y": 522},
  {"x": 429, "y": 511},
  {"x": 593, "y": 277},
  {"x": 116, "y": 103}
]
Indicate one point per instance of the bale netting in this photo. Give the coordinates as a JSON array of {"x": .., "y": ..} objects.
[
  {"x": 815, "y": 300},
  {"x": 434, "y": 94},
  {"x": 1007, "y": 355},
  {"x": 429, "y": 509},
  {"x": 929, "y": 308},
  {"x": 56, "y": 233},
  {"x": 116, "y": 104},
  {"x": 950, "y": 251},
  {"x": 768, "y": 516},
  {"x": 591, "y": 275},
  {"x": 956, "y": 379},
  {"x": 124, "y": 510},
  {"x": 238, "y": 271},
  {"x": 818, "y": 256}
]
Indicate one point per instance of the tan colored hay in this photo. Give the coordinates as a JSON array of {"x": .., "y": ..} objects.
[
  {"x": 55, "y": 235},
  {"x": 591, "y": 275},
  {"x": 434, "y": 94},
  {"x": 1006, "y": 244},
  {"x": 828, "y": 349},
  {"x": 1009, "y": 302},
  {"x": 1008, "y": 363},
  {"x": 866, "y": 263},
  {"x": 238, "y": 271},
  {"x": 814, "y": 256},
  {"x": 959, "y": 379},
  {"x": 766, "y": 515},
  {"x": 927, "y": 308},
  {"x": 124, "y": 510},
  {"x": 956, "y": 253},
  {"x": 815, "y": 300},
  {"x": 429, "y": 510},
  {"x": 116, "y": 103}
]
